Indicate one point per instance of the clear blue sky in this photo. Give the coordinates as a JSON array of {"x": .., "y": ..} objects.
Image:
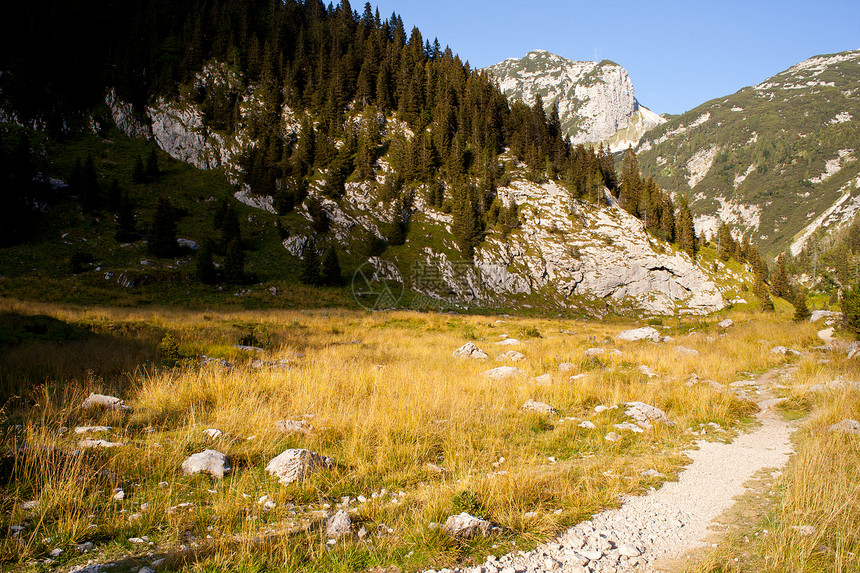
[{"x": 679, "y": 54}]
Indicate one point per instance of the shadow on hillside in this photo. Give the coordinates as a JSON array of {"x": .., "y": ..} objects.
[{"x": 39, "y": 353}]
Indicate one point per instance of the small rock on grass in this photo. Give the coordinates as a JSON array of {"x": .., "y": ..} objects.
[
  {"x": 846, "y": 426},
  {"x": 296, "y": 464},
  {"x": 100, "y": 400},
  {"x": 504, "y": 373},
  {"x": 338, "y": 524},
  {"x": 211, "y": 462},
  {"x": 540, "y": 407},
  {"x": 465, "y": 526},
  {"x": 88, "y": 443},
  {"x": 469, "y": 350}
]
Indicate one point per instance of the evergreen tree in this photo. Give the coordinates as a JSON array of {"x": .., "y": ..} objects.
[
  {"x": 850, "y": 303},
  {"x": 725, "y": 244},
  {"x": 162, "y": 232},
  {"x": 114, "y": 197},
  {"x": 234, "y": 262},
  {"x": 684, "y": 229},
  {"x": 311, "y": 265},
  {"x": 465, "y": 225},
  {"x": 230, "y": 228},
  {"x": 138, "y": 174},
  {"x": 801, "y": 311},
  {"x": 330, "y": 270},
  {"x": 761, "y": 292},
  {"x": 779, "y": 280},
  {"x": 126, "y": 222},
  {"x": 89, "y": 186},
  {"x": 205, "y": 264},
  {"x": 152, "y": 165}
]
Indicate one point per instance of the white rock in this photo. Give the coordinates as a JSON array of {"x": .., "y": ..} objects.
[
  {"x": 509, "y": 342},
  {"x": 612, "y": 437},
  {"x": 211, "y": 462},
  {"x": 629, "y": 550},
  {"x": 465, "y": 526},
  {"x": 835, "y": 386},
  {"x": 293, "y": 426},
  {"x": 628, "y": 426},
  {"x": 296, "y": 464},
  {"x": 532, "y": 405},
  {"x": 87, "y": 443},
  {"x": 595, "y": 351},
  {"x": 726, "y": 323},
  {"x": 213, "y": 433},
  {"x": 686, "y": 351},
  {"x": 511, "y": 355},
  {"x": 101, "y": 400},
  {"x": 846, "y": 426},
  {"x": 504, "y": 373},
  {"x": 644, "y": 415},
  {"x": 644, "y": 333},
  {"x": 338, "y": 524},
  {"x": 92, "y": 429},
  {"x": 543, "y": 379},
  {"x": 469, "y": 350},
  {"x": 566, "y": 367},
  {"x": 119, "y": 495}
]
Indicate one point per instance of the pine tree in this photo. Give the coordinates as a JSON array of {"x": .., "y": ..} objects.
[
  {"x": 152, "y": 165},
  {"x": 779, "y": 280},
  {"x": 126, "y": 223},
  {"x": 205, "y": 265},
  {"x": 89, "y": 186},
  {"x": 725, "y": 244},
  {"x": 162, "y": 232},
  {"x": 330, "y": 269},
  {"x": 684, "y": 229},
  {"x": 801, "y": 311},
  {"x": 138, "y": 174},
  {"x": 311, "y": 265},
  {"x": 850, "y": 303},
  {"x": 234, "y": 262}
]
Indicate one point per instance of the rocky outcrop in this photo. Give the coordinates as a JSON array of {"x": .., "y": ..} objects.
[{"x": 595, "y": 99}]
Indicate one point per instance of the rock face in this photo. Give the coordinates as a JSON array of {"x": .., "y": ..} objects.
[
  {"x": 595, "y": 100},
  {"x": 296, "y": 464},
  {"x": 211, "y": 462},
  {"x": 469, "y": 350},
  {"x": 465, "y": 526}
]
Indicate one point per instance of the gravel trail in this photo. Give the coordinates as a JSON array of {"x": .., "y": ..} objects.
[{"x": 666, "y": 524}]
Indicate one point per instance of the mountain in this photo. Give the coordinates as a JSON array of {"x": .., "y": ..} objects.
[
  {"x": 595, "y": 99},
  {"x": 292, "y": 144},
  {"x": 776, "y": 161}
]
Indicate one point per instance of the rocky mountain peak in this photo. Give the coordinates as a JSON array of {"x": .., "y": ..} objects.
[{"x": 596, "y": 100}]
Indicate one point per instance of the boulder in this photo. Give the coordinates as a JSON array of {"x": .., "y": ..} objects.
[
  {"x": 543, "y": 379},
  {"x": 469, "y": 350},
  {"x": 510, "y": 355},
  {"x": 784, "y": 351},
  {"x": 835, "y": 386},
  {"x": 595, "y": 351},
  {"x": 509, "y": 342},
  {"x": 566, "y": 367},
  {"x": 540, "y": 407},
  {"x": 846, "y": 426},
  {"x": 338, "y": 524},
  {"x": 103, "y": 401},
  {"x": 644, "y": 333},
  {"x": 587, "y": 424},
  {"x": 211, "y": 462},
  {"x": 465, "y": 526},
  {"x": 296, "y": 464},
  {"x": 213, "y": 433},
  {"x": 725, "y": 323},
  {"x": 504, "y": 373},
  {"x": 686, "y": 351},
  {"x": 645, "y": 415},
  {"x": 853, "y": 349}
]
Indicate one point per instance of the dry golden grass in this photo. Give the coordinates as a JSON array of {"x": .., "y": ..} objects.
[{"x": 382, "y": 409}]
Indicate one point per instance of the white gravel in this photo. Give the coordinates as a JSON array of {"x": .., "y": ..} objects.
[{"x": 669, "y": 522}]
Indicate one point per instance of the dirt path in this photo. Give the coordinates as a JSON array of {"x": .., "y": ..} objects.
[{"x": 655, "y": 532}]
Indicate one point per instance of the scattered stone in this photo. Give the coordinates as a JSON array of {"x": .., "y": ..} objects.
[
  {"x": 503, "y": 373},
  {"x": 92, "y": 429},
  {"x": 509, "y": 342},
  {"x": 566, "y": 367},
  {"x": 465, "y": 526},
  {"x": 431, "y": 467},
  {"x": 273, "y": 364},
  {"x": 29, "y": 505},
  {"x": 246, "y": 348},
  {"x": 587, "y": 424},
  {"x": 853, "y": 349},
  {"x": 543, "y": 379},
  {"x": 296, "y": 464},
  {"x": 211, "y": 462},
  {"x": 829, "y": 315},
  {"x": 629, "y": 426},
  {"x": 647, "y": 371},
  {"x": 469, "y": 350},
  {"x": 511, "y": 355},
  {"x": 784, "y": 351},
  {"x": 612, "y": 437},
  {"x": 102, "y": 401},
  {"x": 145, "y": 570},
  {"x": 293, "y": 426},
  {"x": 725, "y": 323},
  {"x": 267, "y": 502},
  {"x": 86, "y": 546},
  {"x": 629, "y": 550},
  {"x": 56, "y": 552},
  {"x": 209, "y": 361},
  {"x": 534, "y": 406},
  {"x": 119, "y": 495},
  {"x": 835, "y": 386},
  {"x": 591, "y": 555},
  {"x": 644, "y": 415},
  {"x": 338, "y": 524},
  {"x": 87, "y": 443},
  {"x": 846, "y": 426},
  {"x": 644, "y": 333},
  {"x": 595, "y": 351},
  {"x": 686, "y": 351},
  {"x": 213, "y": 433},
  {"x": 652, "y": 473},
  {"x": 804, "y": 530}
]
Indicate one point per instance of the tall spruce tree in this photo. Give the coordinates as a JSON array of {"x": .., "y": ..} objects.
[
  {"x": 310, "y": 274},
  {"x": 330, "y": 273},
  {"x": 779, "y": 281},
  {"x": 162, "y": 231}
]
